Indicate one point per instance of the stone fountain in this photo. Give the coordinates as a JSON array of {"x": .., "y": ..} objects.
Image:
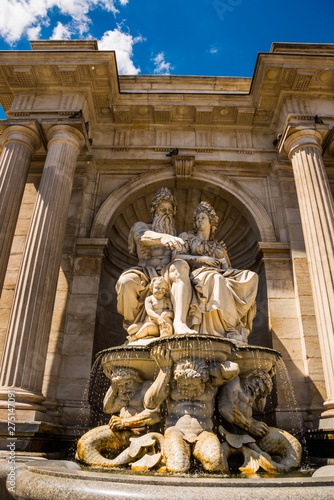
[
  {"x": 184, "y": 386},
  {"x": 173, "y": 386}
]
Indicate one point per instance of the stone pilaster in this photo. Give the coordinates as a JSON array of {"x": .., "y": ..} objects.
[
  {"x": 317, "y": 215},
  {"x": 24, "y": 356},
  {"x": 19, "y": 147}
]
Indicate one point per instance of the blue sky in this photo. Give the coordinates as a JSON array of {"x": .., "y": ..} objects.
[{"x": 187, "y": 37}]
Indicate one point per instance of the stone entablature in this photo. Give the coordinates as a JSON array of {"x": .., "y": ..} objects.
[{"x": 237, "y": 149}]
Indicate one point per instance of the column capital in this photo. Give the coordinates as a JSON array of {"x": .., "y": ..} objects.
[
  {"x": 66, "y": 133},
  {"x": 301, "y": 131},
  {"x": 301, "y": 138},
  {"x": 23, "y": 134}
]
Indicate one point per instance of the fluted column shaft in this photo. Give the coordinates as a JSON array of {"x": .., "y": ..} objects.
[
  {"x": 19, "y": 147},
  {"x": 25, "y": 351},
  {"x": 317, "y": 215}
]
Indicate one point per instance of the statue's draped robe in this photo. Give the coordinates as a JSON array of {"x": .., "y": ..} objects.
[{"x": 223, "y": 299}]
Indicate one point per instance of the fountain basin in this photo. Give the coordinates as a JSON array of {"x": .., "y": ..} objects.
[
  {"x": 206, "y": 347},
  {"x": 61, "y": 480},
  {"x": 180, "y": 346},
  {"x": 253, "y": 357},
  {"x": 137, "y": 357}
]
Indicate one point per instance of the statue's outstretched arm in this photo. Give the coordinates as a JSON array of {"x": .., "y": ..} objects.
[
  {"x": 223, "y": 372},
  {"x": 148, "y": 237},
  {"x": 111, "y": 402},
  {"x": 145, "y": 417},
  {"x": 159, "y": 390},
  {"x": 199, "y": 259},
  {"x": 141, "y": 234}
]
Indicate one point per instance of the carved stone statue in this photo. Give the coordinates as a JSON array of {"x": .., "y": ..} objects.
[
  {"x": 207, "y": 295},
  {"x": 223, "y": 301},
  {"x": 189, "y": 388},
  {"x": 240, "y": 396},
  {"x": 159, "y": 309},
  {"x": 124, "y": 398},
  {"x": 236, "y": 401},
  {"x": 187, "y": 313},
  {"x": 153, "y": 245}
]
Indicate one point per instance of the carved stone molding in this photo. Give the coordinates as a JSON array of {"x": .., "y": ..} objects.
[
  {"x": 162, "y": 114},
  {"x": 204, "y": 115},
  {"x": 183, "y": 167}
]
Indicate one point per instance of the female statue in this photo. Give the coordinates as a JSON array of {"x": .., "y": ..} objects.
[{"x": 223, "y": 301}]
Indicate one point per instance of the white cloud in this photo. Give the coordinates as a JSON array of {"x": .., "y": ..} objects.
[
  {"x": 26, "y": 18},
  {"x": 61, "y": 32},
  {"x": 34, "y": 33},
  {"x": 123, "y": 44},
  {"x": 213, "y": 50},
  {"x": 161, "y": 66},
  {"x": 19, "y": 17}
]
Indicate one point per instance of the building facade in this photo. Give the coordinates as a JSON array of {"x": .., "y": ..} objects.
[{"x": 82, "y": 152}]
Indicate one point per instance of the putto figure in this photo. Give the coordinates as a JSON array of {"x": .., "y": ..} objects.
[
  {"x": 153, "y": 244},
  {"x": 159, "y": 309}
]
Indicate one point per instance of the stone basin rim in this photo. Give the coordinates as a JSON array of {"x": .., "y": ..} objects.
[
  {"x": 250, "y": 348},
  {"x": 175, "y": 480},
  {"x": 178, "y": 338}
]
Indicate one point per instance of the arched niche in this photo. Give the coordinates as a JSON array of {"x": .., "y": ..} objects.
[{"x": 243, "y": 223}]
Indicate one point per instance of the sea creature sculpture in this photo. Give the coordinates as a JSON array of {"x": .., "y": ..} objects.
[
  {"x": 141, "y": 453},
  {"x": 264, "y": 445},
  {"x": 282, "y": 446},
  {"x": 125, "y": 396},
  {"x": 98, "y": 442}
]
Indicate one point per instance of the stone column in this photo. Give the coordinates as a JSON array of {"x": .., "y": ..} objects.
[
  {"x": 317, "y": 215},
  {"x": 24, "y": 356},
  {"x": 19, "y": 147}
]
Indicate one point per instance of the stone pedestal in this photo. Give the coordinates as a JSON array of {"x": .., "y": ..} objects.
[
  {"x": 24, "y": 356},
  {"x": 317, "y": 215},
  {"x": 19, "y": 147}
]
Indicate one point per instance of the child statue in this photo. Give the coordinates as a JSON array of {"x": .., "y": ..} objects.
[{"x": 159, "y": 310}]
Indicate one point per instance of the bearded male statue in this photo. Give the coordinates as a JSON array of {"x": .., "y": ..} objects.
[{"x": 153, "y": 244}]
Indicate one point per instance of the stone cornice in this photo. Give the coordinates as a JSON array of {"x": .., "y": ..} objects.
[
  {"x": 92, "y": 246},
  {"x": 274, "y": 250},
  {"x": 87, "y": 79}
]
